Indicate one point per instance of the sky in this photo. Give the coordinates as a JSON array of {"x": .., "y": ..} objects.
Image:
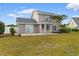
[{"x": 10, "y": 11}]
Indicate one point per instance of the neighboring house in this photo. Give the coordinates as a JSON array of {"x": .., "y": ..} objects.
[
  {"x": 40, "y": 22},
  {"x": 74, "y": 23},
  {"x": 7, "y": 29}
]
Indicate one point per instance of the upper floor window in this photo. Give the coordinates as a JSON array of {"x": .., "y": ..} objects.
[
  {"x": 51, "y": 17},
  {"x": 48, "y": 19}
]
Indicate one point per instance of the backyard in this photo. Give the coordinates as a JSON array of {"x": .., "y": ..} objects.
[{"x": 62, "y": 44}]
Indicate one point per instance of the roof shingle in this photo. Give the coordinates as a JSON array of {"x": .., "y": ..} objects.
[
  {"x": 27, "y": 20},
  {"x": 45, "y": 13},
  {"x": 76, "y": 19}
]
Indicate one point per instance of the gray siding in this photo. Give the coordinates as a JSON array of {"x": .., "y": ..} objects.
[
  {"x": 36, "y": 28},
  {"x": 21, "y": 28}
]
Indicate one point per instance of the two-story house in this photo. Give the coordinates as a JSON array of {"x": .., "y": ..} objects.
[{"x": 40, "y": 22}]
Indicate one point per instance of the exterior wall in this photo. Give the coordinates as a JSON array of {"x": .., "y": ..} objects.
[
  {"x": 36, "y": 28},
  {"x": 35, "y": 16},
  {"x": 21, "y": 28},
  {"x": 25, "y": 28},
  {"x": 43, "y": 17},
  {"x": 72, "y": 24},
  {"x": 45, "y": 30},
  {"x": 53, "y": 23},
  {"x": 50, "y": 30}
]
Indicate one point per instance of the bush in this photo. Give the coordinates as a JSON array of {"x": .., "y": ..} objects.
[
  {"x": 12, "y": 31},
  {"x": 75, "y": 30},
  {"x": 65, "y": 30},
  {"x": 19, "y": 35},
  {"x": 2, "y": 27}
]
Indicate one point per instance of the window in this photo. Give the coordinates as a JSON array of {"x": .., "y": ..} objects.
[
  {"x": 54, "y": 27},
  {"x": 48, "y": 19},
  {"x": 42, "y": 26},
  {"x": 51, "y": 17},
  {"x": 47, "y": 27}
]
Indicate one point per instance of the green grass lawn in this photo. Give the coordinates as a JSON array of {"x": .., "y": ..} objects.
[{"x": 53, "y": 45}]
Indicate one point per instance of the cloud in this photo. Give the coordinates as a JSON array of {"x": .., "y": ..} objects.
[
  {"x": 73, "y": 6},
  {"x": 26, "y": 11},
  {"x": 19, "y": 16},
  {"x": 75, "y": 16},
  {"x": 14, "y": 15},
  {"x": 22, "y": 13}
]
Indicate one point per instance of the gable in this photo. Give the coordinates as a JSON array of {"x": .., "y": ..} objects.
[
  {"x": 34, "y": 16},
  {"x": 40, "y": 16},
  {"x": 72, "y": 24}
]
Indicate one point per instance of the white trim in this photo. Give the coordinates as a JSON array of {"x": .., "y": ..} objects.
[
  {"x": 34, "y": 23},
  {"x": 40, "y": 28},
  {"x": 44, "y": 27}
]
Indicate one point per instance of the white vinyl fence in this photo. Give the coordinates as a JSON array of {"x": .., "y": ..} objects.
[{"x": 7, "y": 29}]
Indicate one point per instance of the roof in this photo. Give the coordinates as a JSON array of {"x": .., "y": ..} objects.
[
  {"x": 76, "y": 19},
  {"x": 27, "y": 20},
  {"x": 30, "y": 20},
  {"x": 45, "y": 13}
]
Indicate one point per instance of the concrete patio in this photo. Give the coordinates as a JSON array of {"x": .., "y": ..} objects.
[{"x": 32, "y": 34}]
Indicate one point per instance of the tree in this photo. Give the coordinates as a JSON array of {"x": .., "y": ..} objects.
[
  {"x": 11, "y": 25},
  {"x": 63, "y": 26},
  {"x": 59, "y": 18},
  {"x": 2, "y": 27},
  {"x": 12, "y": 31}
]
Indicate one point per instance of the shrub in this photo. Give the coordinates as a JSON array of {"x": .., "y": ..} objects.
[
  {"x": 12, "y": 31},
  {"x": 19, "y": 35},
  {"x": 65, "y": 30},
  {"x": 2, "y": 27},
  {"x": 75, "y": 30}
]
